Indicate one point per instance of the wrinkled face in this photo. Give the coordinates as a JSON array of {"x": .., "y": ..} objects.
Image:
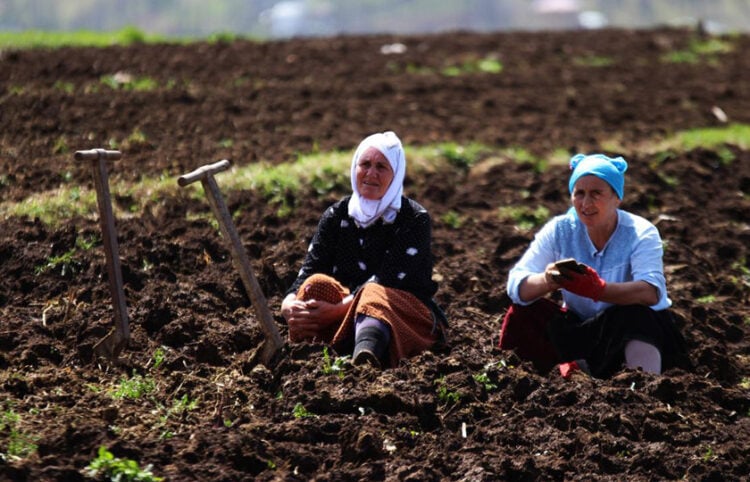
[
  {"x": 374, "y": 174},
  {"x": 595, "y": 201}
]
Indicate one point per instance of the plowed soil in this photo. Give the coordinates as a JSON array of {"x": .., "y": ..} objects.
[{"x": 465, "y": 411}]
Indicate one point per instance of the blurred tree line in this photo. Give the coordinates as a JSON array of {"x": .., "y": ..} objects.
[{"x": 275, "y": 18}]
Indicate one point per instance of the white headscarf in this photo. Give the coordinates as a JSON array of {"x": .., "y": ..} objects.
[{"x": 367, "y": 211}]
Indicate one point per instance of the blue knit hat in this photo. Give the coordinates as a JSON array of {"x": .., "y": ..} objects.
[{"x": 609, "y": 169}]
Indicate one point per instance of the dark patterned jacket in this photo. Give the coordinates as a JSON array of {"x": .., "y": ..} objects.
[{"x": 396, "y": 255}]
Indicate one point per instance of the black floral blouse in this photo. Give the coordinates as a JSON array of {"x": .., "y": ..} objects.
[{"x": 396, "y": 255}]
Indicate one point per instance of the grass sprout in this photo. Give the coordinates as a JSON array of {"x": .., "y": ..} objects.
[
  {"x": 300, "y": 411},
  {"x": 699, "y": 50},
  {"x": 484, "y": 379},
  {"x": 525, "y": 157},
  {"x": 706, "y": 299},
  {"x": 525, "y": 217},
  {"x": 66, "y": 262},
  {"x": 444, "y": 393},
  {"x": 486, "y": 65},
  {"x": 126, "y": 81},
  {"x": 158, "y": 358},
  {"x": 445, "y": 155},
  {"x": 137, "y": 137},
  {"x": 61, "y": 146},
  {"x": 67, "y": 87},
  {"x": 594, "y": 61},
  {"x": 134, "y": 387},
  {"x": 335, "y": 366},
  {"x": 20, "y": 444},
  {"x": 180, "y": 407},
  {"x": 708, "y": 455},
  {"x": 118, "y": 469},
  {"x": 453, "y": 219}
]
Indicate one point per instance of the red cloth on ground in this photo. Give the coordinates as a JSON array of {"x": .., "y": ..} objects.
[
  {"x": 567, "y": 369},
  {"x": 524, "y": 331}
]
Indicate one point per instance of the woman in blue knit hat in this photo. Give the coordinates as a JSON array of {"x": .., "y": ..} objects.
[{"x": 615, "y": 306}]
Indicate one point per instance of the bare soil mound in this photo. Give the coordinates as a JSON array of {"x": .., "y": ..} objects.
[{"x": 466, "y": 411}]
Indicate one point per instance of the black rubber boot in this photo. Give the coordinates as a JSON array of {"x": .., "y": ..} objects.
[{"x": 369, "y": 347}]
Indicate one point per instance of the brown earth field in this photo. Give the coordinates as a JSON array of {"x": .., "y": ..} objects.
[{"x": 189, "y": 397}]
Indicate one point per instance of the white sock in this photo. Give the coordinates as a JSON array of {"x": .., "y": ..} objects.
[{"x": 639, "y": 354}]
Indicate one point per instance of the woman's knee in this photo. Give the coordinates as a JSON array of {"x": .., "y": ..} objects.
[
  {"x": 318, "y": 278},
  {"x": 322, "y": 287},
  {"x": 370, "y": 288}
]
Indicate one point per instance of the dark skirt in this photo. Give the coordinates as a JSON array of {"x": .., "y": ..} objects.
[
  {"x": 561, "y": 336},
  {"x": 601, "y": 339}
]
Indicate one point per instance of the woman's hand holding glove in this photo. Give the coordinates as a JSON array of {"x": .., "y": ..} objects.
[{"x": 588, "y": 283}]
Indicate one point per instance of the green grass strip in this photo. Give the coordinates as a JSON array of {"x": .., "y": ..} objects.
[
  {"x": 326, "y": 172},
  {"x": 81, "y": 38},
  {"x": 31, "y": 39},
  {"x": 711, "y": 137}
]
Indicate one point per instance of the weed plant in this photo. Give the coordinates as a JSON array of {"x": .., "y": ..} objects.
[
  {"x": 594, "y": 61},
  {"x": 700, "y": 51},
  {"x": 134, "y": 387},
  {"x": 117, "y": 469},
  {"x": 335, "y": 366},
  {"x": 66, "y": 262},
  {"x": 300, "y": 411},
  {"x": 486, "y": 65},
  {"x": 180, "y": 408},
  {"x": 128, "y": 82},
  {"x": 20, "y": 443},
  {"x": 444, "y": 393},
  {"x": 453, "y": 219},
  {"x": 525, "y": 217}
]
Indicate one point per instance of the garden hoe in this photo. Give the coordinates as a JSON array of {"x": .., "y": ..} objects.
[
  {"x": 113, "y": 343},
  {"x": 205, "y": 174}
]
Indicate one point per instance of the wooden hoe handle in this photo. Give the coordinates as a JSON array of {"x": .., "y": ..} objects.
[
  {"x": 112, "y": 344},
  {"x": 239, "y": 255},
  {"x": 203, "y": 172}
]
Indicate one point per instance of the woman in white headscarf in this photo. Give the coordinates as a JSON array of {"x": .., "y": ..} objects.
[{"x": 366, "y": 283}]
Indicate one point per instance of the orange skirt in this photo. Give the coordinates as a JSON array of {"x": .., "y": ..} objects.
[{"x": 411, "y": 322}]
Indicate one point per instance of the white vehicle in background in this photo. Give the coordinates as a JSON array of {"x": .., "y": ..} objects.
[
  {"x": 298, "y": 18},
  {"x": 285, "y": 19},
  {"x": 568, "y": 14}
]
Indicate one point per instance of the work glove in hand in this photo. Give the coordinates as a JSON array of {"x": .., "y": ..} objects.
[{"x": 588, "y": 283}]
